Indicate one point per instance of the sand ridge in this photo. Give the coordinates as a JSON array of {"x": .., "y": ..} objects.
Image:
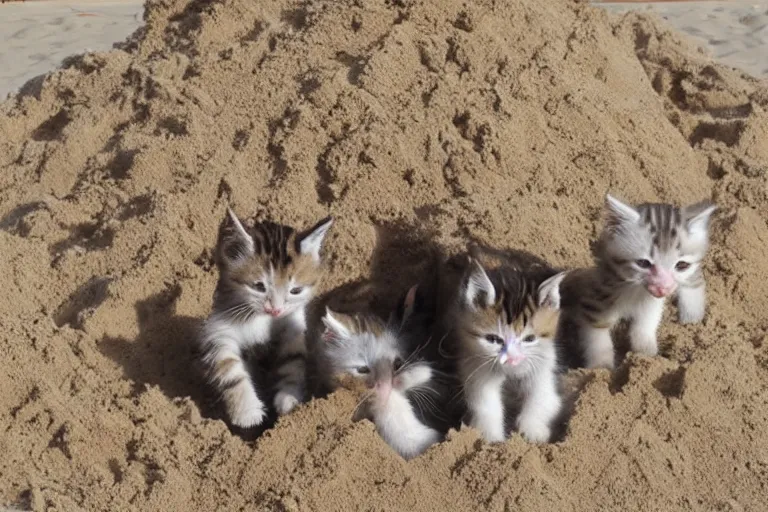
[{"x": 503, "y": 122}]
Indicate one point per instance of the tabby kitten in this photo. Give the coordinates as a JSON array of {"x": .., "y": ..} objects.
[
  {"x": 267, "y": 276},
  {"x": 406, "y": 398},
  {"x": 502, "y": 331},
  {"x": 644, "y": 254}
]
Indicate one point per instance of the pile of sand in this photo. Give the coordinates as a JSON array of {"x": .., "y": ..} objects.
[{"x": 501, "y": 121}]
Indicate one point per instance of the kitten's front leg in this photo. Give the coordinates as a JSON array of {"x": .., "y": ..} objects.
[
  {"x": 290, "y": 367},
  {"x": 228, "y": 374},
  {"x": 486, "y": 407},
  {"x": 597, "y": 346},
  {"x": 645, "y": 323},
  {"x": 692, "y": 304},
  {"x": 542, "y": 403}
]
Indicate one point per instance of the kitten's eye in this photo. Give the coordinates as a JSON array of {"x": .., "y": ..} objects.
[
  {"x": 529, "y": 339},
  {"x": 397, "y": 364},
  {"x": 643, "y": 263},
  {"x": 682, "y": 265},
  {"x": 363, "y": 370},
  {"x": 259, "y": 286},
  {"x": 494, "y": 339},
  {"x": 296, "y": 291}
]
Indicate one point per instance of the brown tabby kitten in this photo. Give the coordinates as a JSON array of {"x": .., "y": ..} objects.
[
  {"x": 267, "y": 276},
  {"x": 501, "y": 330},
  {"x": 644, "y": 254}
]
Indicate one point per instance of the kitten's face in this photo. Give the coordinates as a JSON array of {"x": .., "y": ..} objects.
[
  {"x": 656, "y": 245},
  {"x": 269, "y": 269},
  {"x": 364, "y": 347},
  {"x": 516, "y": 337}
]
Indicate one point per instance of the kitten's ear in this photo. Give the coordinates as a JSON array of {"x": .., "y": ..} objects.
[
  {"x": 549, "y": 291},
  {"x": 235, "y": 242},
  {"x": 478, "y": 284},
  {"x": 311, "y": 240},
  {"x": 697, "y": 217},
  {"x": 334, "y": 329},
  {"x": 409, "y": 304},
  {"x": 618, "y": 212}
]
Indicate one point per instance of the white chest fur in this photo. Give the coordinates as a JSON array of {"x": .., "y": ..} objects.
[{"x": 256, "y": 331}]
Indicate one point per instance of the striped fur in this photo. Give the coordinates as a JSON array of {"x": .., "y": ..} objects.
[
  {"x": 502, "y": 332},
  {"x": 267, "y": 276},
  {"x": 644, "y": 254}
]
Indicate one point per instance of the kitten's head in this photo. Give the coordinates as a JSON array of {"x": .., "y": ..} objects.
[
  {"x": 656, "y": 245},
  {"x": 509, "y": 322},
  {"x": 268, "y": 269},
  {"x": 370, "y": 350}
]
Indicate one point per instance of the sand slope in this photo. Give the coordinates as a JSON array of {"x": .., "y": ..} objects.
[{"x": 502, "y": 121}]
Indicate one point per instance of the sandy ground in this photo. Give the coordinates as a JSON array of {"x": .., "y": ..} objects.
[
  {"x": 37, "y": 36},
  {"x": 502, "y": 122}
]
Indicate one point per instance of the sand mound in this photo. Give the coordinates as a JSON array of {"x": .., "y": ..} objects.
[{"x": 503, "y": 122}]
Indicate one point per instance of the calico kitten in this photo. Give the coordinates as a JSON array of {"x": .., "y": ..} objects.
[
  {"x": 267, "y": 276},
  {"x": 501, "y": 331},
  {"x": 643, "y": 255},
  {"x": 406, "y": 398}
]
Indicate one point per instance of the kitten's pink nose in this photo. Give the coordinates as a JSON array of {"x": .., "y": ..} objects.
[
  {"x": 512, "y": 354},
  {"x": 660, "y": 282},
  {"x": 272, "y": 311},
  {"x": 383, "y": 389}
]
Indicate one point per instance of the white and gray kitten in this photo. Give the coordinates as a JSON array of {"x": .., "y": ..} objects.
[
  {"x": 502, "y": 330},
  {"x": 403, "y": 389},
  {"x": 267, "y": 276},
  {"x": 644, "y": 254}
]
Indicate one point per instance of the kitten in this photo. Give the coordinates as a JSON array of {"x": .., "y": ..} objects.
[
  {"x": 501, "y": 331},
  {"x": 406, "y": 399},
  {"x": 643, "y": 255},
  {"x": 267, "y": 276}
]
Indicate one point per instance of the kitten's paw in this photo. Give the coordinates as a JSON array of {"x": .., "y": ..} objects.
[
  {"x": 534, "y": 431},
  {"x": 644, "y": 344},
  {"x": 491, "y": 433},
  {"x": 246, "y": 417},
  {"x": 494, "y": 437},
  {"x": 691, "y": 303},
  {"x": 599, "y": 357},
  {"x": 691, "y": 315},
  {"x": 285, "y": 402},
  {"x": 244, "y": 407}
]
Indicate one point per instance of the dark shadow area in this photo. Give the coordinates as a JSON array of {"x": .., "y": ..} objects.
[
  {"x": 672, "y": 383},
  {"x": 82, "y": 303},
  {"x": 52, "y": 128},
  {"x": 571, "y": 387},
  {"x": 32, "y": 87},
  {"x": 405, "y": 255},
  {"x": 163, "y": 354},
  {"x": 15, "y": 222},
  {"x": 91, "y": 236},
  {"x": 728, "y": 133},
  {"x": 569, "y": 351}
]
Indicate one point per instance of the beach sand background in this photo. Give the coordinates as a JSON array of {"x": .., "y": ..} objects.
[
  {"x": 501, "y": 122},
  {"x": 36, "y": 36}
]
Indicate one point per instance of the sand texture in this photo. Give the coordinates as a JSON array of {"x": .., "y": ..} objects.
[{"x": 503, "y": 122}]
